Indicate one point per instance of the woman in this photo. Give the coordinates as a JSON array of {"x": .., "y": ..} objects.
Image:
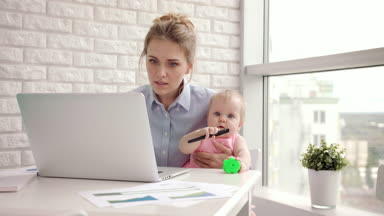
[{"x": 175, "y": 106}]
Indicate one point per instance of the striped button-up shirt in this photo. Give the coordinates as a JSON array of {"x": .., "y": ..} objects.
[{"x": 186, "y": 114}]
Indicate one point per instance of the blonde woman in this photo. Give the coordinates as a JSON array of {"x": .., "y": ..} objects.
[{"x": 175, "y": 106}]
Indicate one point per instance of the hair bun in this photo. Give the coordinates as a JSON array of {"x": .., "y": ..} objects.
[
  {"x": 175, "y": 18},
  {"x": 176, "y": 28}
]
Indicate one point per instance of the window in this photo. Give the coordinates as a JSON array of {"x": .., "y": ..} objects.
[
  {"x": 312, "y": 96},
  {"x": 322, "y": 117},
  {"x": 355, "y": 108},
  {"x": 302, "y": 28},
  {"x": 319, "y": 116},
  {"x": 317, "y": 138},
  {"x": 322, "y": 137},
  {"x": 315, "y": 118}
]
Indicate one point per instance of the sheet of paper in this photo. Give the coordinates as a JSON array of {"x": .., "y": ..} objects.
[
  {"x": 183, "y": 204},
  {"x": 167, "y": 192},
  {"x": 17, "y": 171},
  {"x": 13, "y": 180}
]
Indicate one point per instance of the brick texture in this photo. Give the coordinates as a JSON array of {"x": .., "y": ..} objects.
[
  {"x": 58, "y": 46},
  {"x": 63, "y": 9},
  {"x": 22, "y": 38},
  {"x": 10, "y": 19}
]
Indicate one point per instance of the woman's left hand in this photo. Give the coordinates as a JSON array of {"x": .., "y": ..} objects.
[{"x": 212, "y": 160}]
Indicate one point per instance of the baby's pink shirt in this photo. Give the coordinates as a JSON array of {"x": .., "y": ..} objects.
[{"x": 207, "y": 145}]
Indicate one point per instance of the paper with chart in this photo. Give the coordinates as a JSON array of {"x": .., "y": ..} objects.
[{"x": 163, "y": 192}]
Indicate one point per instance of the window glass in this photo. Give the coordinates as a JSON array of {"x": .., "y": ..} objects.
[
  {"x": 350, "y": 106},
  {"x": 302, "y": 28},
  {"x": 315, "y": 116},
  {"x": 322, "y": 116}
]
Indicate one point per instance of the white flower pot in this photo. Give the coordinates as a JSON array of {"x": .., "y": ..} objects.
[{"x": 323, "y": 186}]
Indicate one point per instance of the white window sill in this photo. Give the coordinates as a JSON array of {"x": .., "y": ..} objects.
[{"x": 272, "y": 202}]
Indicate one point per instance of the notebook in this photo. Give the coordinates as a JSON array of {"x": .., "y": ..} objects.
[{"x": 92, "y": 136}]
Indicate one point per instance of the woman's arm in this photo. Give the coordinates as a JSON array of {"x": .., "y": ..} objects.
[
  {"x": 188, "y": 148},
  {"x": 242, "y": 153},
  {"x": 212, "y": 160}
]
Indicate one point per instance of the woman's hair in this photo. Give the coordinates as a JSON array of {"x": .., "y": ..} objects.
[
  {"x": 228, "y": 95},
  {"x": 174, "y": 27}
]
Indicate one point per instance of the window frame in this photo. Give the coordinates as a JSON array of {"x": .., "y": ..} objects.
[{"x": 255, "y": 73}]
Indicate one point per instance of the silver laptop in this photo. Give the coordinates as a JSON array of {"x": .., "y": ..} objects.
[{"x": 92, "y": 135}]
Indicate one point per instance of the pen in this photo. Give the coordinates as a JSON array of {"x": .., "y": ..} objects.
[{"x": 210, "y": 135}]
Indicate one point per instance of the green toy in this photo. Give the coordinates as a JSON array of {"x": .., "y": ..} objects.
[{"x": 231, "y": 165}]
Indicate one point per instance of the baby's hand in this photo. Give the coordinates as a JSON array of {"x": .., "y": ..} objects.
[
  {"x": 243, "y": 167},
  {"x": 210, "y": 130}
]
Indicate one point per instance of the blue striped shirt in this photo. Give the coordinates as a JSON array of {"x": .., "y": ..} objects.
[{"x": 186, "y": 114}]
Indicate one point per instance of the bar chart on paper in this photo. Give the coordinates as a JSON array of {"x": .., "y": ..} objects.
[
  {"x": 164, "y": 192},
  {"x": 193, "y": 195},
  {"x": 137, "y": 199}
]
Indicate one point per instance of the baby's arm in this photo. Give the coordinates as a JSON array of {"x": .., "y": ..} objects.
[
  {"x": 188, "y": 148},
  {"x": 241, "y": 153}
]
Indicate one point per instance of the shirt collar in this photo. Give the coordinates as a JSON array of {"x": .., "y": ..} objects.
[
  {"x": 184, "y": 99},
  {"x": 153, "y": 98}
]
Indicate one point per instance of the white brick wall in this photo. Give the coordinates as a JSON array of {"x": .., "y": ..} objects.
[
  {"x": 37, "y": 6},
  {"x": 8, "y": 54},
  {"x": 94, "y": 46},
  {"x": 63, "y": 9},
  {"x": 66, "y": 74},
  {"x": 11, "y": 141},
  {"x": 45, "y": 23},
  {"x": 22, "y": 71},
  {"x": 10, "y": 158},
  {"x": 9, "y": 106},
  {"x": 10, "y": 19},
  {"x": 16, "y": 37},
  {"x": 10, "y": 124},
  {"x": 70, "y": 42},
  {"x": 93, "y": 29},
  {"x": 48, "y": 56},
  {"x": 115, "y": 15}
]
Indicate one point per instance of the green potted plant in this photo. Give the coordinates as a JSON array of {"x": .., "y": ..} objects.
[{"x": 324, "y": 163}]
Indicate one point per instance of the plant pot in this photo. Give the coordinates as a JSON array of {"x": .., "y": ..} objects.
[{"x": 323, "y": 186}]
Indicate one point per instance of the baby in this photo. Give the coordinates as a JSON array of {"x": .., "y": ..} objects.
[{"x": 226, "y": 111}]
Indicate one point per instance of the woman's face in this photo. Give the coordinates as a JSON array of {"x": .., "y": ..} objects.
[{"x": 166, "y": 66}]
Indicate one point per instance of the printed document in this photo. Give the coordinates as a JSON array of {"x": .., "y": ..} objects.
[{"x": 170, "y": 191}]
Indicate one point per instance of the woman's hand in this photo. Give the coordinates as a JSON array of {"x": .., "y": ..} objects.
[{"x": 212, "y": 160}]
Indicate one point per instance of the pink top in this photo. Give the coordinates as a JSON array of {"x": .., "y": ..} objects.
[{"x": 207, "y": 145}]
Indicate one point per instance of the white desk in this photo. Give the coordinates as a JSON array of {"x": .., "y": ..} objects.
[{"x": 53, "y": 196}]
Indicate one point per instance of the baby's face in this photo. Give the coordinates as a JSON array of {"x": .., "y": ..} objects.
[{"x": 225, "y": 114}]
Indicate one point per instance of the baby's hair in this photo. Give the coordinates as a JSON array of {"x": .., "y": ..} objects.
[
  {"x": 228, "y": 95},
  {"x": 174, "y": 27}
]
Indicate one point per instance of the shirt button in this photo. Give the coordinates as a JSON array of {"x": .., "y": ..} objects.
[
  {"x": 177, "y": 109},
  {"x": 164, "y": 152},
  {"x": 165, "y": 134}
]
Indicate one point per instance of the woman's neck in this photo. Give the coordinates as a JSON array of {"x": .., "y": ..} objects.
[{"x": 167, "y": 100}]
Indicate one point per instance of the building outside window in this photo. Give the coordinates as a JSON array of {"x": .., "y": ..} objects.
[
  {"x": 356, "y": 121},
  {"x": 319, "y": 116},
  {"x": 318, "y": 138}
]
